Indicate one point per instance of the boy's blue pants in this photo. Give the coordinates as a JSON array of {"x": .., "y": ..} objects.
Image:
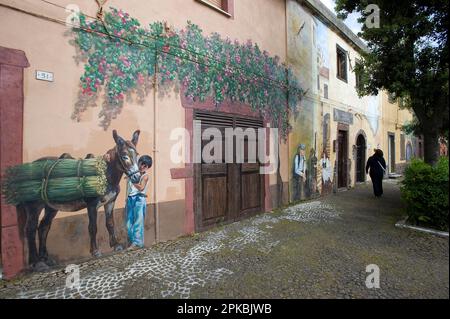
[{"x": 136, "y": 209}]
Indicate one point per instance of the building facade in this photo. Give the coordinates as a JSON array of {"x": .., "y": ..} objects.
[
  {"x": 174, "y": 69},
  {"x": 337, "y": 129}
]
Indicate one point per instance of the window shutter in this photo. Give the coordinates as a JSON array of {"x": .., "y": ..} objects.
[
  {"x": 216, "y": 3},
  {"x": 214, "y": 120},
  {"x": 248, "y": 123}
]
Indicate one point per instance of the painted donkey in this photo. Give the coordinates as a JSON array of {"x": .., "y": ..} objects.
[{"x": 122, "y": 159}]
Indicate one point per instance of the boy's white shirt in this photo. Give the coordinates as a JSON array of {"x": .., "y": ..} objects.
[{"x": 132, "y": 190}]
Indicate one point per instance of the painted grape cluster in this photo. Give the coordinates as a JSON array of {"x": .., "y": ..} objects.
[{"x": 122, "y": 58}]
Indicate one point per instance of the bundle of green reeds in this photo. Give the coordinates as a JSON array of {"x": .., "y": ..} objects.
[{"x": 56, "y": 181}]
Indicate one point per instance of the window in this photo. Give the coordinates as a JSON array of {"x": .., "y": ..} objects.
[
  {"x": 223, "y": 6},
  {"x": 325, "y": 91},
  {"x": 358, "y": 74},
  {"x": 402, "y": 147},
  {"x": 341, "y": 57}
]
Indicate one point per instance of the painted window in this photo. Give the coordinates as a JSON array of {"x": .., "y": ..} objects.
[
  {"x": 223, "y": 6},
  {"x": 341, "y": 57},
  {"x": 358, "y": 75}
]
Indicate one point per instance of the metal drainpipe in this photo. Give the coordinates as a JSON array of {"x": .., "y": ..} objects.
[{"x": 155, "y": 160}]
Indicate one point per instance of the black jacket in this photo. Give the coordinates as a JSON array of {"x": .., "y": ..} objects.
[{"x": 373, "y": 163}]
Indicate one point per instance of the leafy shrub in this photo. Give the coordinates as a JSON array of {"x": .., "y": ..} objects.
[{"x": 425, "y": 191}]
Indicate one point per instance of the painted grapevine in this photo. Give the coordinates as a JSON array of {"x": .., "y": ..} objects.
[{"x": 123, "y": 58}]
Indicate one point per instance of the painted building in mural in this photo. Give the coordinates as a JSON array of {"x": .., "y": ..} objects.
[{"x": 151, "y": 71}]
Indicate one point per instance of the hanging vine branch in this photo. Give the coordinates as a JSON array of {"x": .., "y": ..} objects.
[{"x": 120, "y": 57}]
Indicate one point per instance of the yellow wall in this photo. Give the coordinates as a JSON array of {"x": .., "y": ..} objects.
[{"x": 392, "y": 121}]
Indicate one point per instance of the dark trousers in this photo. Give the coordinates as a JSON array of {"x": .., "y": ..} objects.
[
  {"x": 298, "y": 187},
  {"x": 377, "y": 182}
]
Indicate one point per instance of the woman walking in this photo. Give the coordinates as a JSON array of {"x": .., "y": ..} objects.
[{"x": 377, "y": 166}]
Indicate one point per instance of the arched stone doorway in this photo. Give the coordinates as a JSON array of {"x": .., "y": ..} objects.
[{"x": 360, "y": 158}]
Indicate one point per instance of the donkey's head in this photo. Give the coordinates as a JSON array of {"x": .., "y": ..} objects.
[{"x": 127, "y": 155}]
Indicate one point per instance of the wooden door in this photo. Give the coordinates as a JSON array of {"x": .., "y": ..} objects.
[
  {"x": 226, "y": 192},
  {"x": 213, "y": 180},
  {"x": 342, "y": 158},
  {"x": 249, "y": 179}
]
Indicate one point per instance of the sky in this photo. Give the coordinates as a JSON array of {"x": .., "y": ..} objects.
[{"x": 351, "y": 20}]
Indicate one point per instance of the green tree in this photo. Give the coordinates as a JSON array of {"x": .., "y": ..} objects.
[{"x": 408, "y": 57}]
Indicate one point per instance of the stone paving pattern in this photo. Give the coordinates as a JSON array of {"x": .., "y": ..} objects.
[{"x": 315, "y": 249}]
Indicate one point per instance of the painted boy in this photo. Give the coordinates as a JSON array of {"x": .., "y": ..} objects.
[{"x": 137, "y": 204}]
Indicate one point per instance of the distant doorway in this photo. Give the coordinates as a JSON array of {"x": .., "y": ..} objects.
[
  {"x": 342, "y": 158},
  {"x": 360, "y": 158},
  {"x": 391, "y": 152}
]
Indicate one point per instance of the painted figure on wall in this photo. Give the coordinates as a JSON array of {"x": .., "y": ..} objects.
[
  {"x": 325, "y": 165},
  {"x": 136, "y": 205},
  {"x": 69, "y": 185},
  {"x": 300, "y": 171}
]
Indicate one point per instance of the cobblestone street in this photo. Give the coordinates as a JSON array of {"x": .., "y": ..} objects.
[{"x": 316, "y": 249}]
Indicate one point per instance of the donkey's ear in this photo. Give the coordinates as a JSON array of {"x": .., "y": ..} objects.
[
  {"x": 119, "y": 141},
  {"x": 135, "y": 137}
]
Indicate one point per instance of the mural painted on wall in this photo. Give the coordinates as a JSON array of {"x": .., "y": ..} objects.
[
  {"x": 323, "y": 60},
  {"x": 122, "y": 57},
  {"x": 373, "y": 113},
  {"x": 312, "y": 186},
  {"x": 307, "y": 54},
  {"x": 67, "y": 184},
  {"x": 301, "y": 141},
  {"x": 325, "y": 163},
  {"x": 304, "y": 175}
]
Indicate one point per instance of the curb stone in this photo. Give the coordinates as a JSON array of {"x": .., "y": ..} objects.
[{"x": 403, "y": 224}]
